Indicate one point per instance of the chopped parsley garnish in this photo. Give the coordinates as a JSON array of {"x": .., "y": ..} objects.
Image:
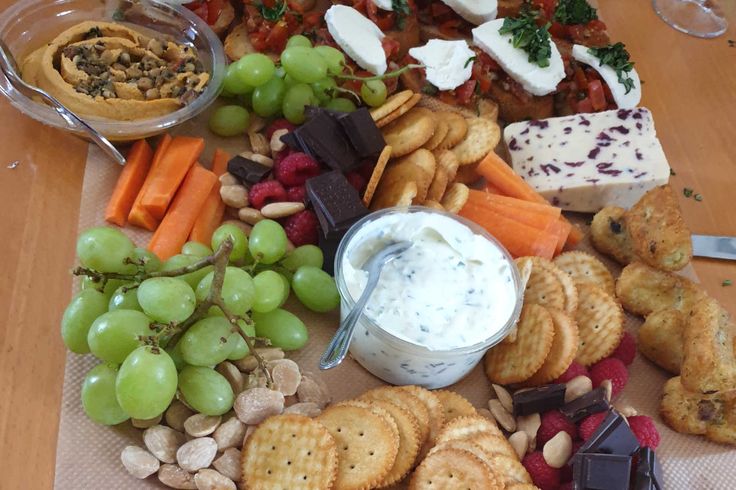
[
  {"x": 273, "y": 14},
  {"x": 430, "y": 89},
  {"x": 672, "y": 172},
  {"x": 727, "y": 282},
  {"x": 402, "y": 10},
  {"x": 525, "y": 34},
  {"x": 687, "y": 192},
  {"x": 571, "y": 12},
  {"x": 616, "y": 56},
  {"x": 471, "y": 60}
]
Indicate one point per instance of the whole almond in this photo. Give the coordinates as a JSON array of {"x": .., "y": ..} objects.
[
  {"x": 504, "y": 397},
  {"x": 229, "y": 434},
  {"x": 608, "y": 387},
  {"x": 263, "y": 160},
  {"x": 173, "y": 476},
  {"x": 308, "y": 409},
  {"x": 163, "y": 442},
  {"x": 176, "y": 414},
  {"x": 519, "y": 440},
  {"x": 256, "y": 123},
  {"x": 250, "y": 430},
  {"x": 503, "y": 417},
  {"x": 276, "y": 144},
  {"x": 557, "y": 451},
  {"x": 313, "y": 389},
  {"x": 529, "y": 424},
  {"x": 577, "y": 387},
  {"x": 229, "y": 464},
  {"x": 258, "y": 143},
  {"x": 228, "y": 179},
  {"x": 235, "y": 196},
  {"x": 255, "y": 405},
  {"x": 484, "y": 412},
  {"x": 233, "y": 376},
  {"x": 256, "y": 379},
  {"x": 249, "y": 363},
  {"x": 250, "y": 215},
  {"x": 627, "y": 411},
  {"x": 207, "y": 479},
  {"x": 139, "y": 462},
  {"x": 286, "y": 376},
  {"x": 278, "y": 210},
  {"x": 200, "y": 425},
  {"x": 146, "y": 423},
  {"x": 197, "y": 454},
  {"x": 246, "y": 154}
]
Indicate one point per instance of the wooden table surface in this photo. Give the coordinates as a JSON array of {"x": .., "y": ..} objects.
[{"x": 689, "y": 84}]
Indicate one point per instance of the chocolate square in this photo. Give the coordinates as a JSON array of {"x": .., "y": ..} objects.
[
  {"x": 648, "y": 474},
  {"x": 336, "y": 201},
  {"x": 363, "y": 133},
  {"x": 601, "y": 472},
  {"x": 329, "y": 251},
  {"x": 246, "y": 170},
  {"x": 290, "y": 140},
  {"x": 323, "y": 138},
  {"x": 537, "y": 400},
  {"x": 613, "y": 436},
  {"x": 588, "y": 404}
]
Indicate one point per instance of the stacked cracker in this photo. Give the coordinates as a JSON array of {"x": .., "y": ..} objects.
[
  {"x": 375, "y": 440},
  {"x": 570, "y": 313},
  {"x": 430, "y": 152}
]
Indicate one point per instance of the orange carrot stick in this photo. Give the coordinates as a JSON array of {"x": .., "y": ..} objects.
[
  {"x": 174, "y": 229},
  {"x": 484, "y": 198},
  {"x": 169, "y": 174},
  {"x": 213, "y": 209},
  {"x": 492, "y": 189},
  {"x": 129, "y": 183},
  {"x": 138, "y": 215},
  {"x": 535, "y": 220}
]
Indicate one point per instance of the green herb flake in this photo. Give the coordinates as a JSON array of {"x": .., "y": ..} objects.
[
  {"x": 687, "y": 192},
  {"x": 698, "y": 197},
  {"x": 273, "y": 14},
  {"x": 430, "y": 89},
  {"x": 727, "y": 282},
  {"x": 571, "y": 12},
  {"x": 672, "y": 172},
  {"x": 402, "y": 10},
  {"x": 525, "y": 34},
  {"x": 616, "y": 56},
  {"x": 470, "y": 61}
]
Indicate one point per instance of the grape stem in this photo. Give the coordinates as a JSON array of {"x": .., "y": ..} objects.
[{"x": 391, "y": 74}]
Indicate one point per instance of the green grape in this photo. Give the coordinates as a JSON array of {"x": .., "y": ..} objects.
[
  {"x": 197, "y": 249},
  {"x": 229, "y": 120},
  {"x": 315, "y": 289},
  {"x": 299, "y": 40},
  {"x": 297, "y": 97},
  {"x": 341, "y": 104},
  {"x": 270, "y": 291},
  {"x": 98, "y": 396},
  {"x": 175, "y": 354},
  {"x": 289, "y": 81},
  {"x": 267, "y": 241},
  {"x": 333, "y": 57},
  {"x": 303, "y": 64},
  {"x": 238, "y": 291},
  {"x": 146, "y": 382},
  {"x": 324, "y": 89},
  {"x": 202, "y": 344},
  {"x": 166, "y": 299},
  {"x": 267, "y": 98},
  {"x": 124, "y": 300},
  {"x": 254, "y": 69},
  {"x": 116, "y": 334},
  {"x": 373, "y": 92},
  {"x": 287, "y": 285},
  {"x": 153, "y": 263},
  {"x": 280, "y": 72},
  {"x": 110, "y": 286},
  {"x": 182, "y": 260},
  {"x": 240, "y": 241},
  {"x": 241, "y": 347},
  {"x": 104, "y": 249},
  {"x": 304, "y": 255},
  {"x": 205, "y": 390},
  {"x": 79, "y": 316},
  {"x": 284, "y": 329},
  {"x": 233, "y": 84},
  {"x": 246, "y": 100}
]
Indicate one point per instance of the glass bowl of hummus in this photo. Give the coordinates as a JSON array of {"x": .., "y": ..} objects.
[
  {"x": 129, "y": 68},
  {"x": 438, "y": 307}
]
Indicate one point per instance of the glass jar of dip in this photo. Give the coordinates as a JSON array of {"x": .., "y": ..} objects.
[{"x": 438, "y": 307}]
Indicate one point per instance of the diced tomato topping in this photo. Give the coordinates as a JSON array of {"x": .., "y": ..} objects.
[
  {"x": 596, "y": 95},
  {"x": 584, "y": 105},
  {"x": 214, "y": 9},
  {"x": 390, "y": 46},
  {"x": 312, "y": 19},
  {"x": 558, "y": 30},
  {"x": 199, "y": 8},
  {"x": 450, "y": 28},
  {"x": 596, "y": 25},
  {"x": 580, "y": 79},
  {"x": 438, "y": 9},
  {"x": 278, "y": 35},
  {"x": 464, "y": 93}
]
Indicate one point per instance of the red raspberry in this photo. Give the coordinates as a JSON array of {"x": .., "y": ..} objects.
[
  {"x": 566, "y": 474},
  {"x": 543, "y": 475},
  {"x": 302, "y": 228},
  {"x": 296, "y": 194},
  {"x": 645, "y": 431},
  {"x": 573, "y": 371},
  {"x": 357, "y": 181},
  {"x": 567, "y": 485},
  {"x": 266, "y": 192},
  {"x": 589, "y": 424},
  {"x": 610, "y": 368},
  {"x": 295, "y": 169},
  {"x": 552, "y": 423},
  {"x": 626, "y": 350},
  {"x": 278, "y": 124}
]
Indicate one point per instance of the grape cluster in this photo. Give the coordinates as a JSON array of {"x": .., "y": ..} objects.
[
  {"x": 157, "y": 328},
  {"x": 306, "y": 76}
]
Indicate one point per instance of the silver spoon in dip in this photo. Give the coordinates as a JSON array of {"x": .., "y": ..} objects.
[
  {"x": 338, "y": 347},
  {"x": 9, "y": 68}
]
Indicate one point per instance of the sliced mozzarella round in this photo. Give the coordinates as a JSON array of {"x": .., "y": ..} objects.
[
  {"x": 384, "y": 4},
  {"x": 448, "y": 63},
  {"x": 474, "y": 11},
  {"x": 358, "y": 37},
  {"x": 608, "y": 74},
  {"x": 515, "y": 61}
]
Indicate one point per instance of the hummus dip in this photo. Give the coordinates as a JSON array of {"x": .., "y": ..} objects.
[{"x": 107, "y": 70}]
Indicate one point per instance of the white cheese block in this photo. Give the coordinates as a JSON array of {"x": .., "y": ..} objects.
[
  {"x": 608, "y": 74},
  {"x": 358, "y": 37},
  {"x": 447, "y": 62},
  {"x": 474, "y": 11},
  {"x": 515, "y": 61},
  {"x": 587, "y": 161},
  {"x": 384, "y": 4}
]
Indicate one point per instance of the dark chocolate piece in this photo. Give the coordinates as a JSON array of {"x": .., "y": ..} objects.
[
  {"x": 363, "y": 133},
  {"x": 247, "y": 171},
  {"x": 601, "y": 472},
  {"x": 323, "y": 138},
  {"x": 588, "y": 404},
  {"x": 541, "y": 399},
  {"x": 648, "y": 471},
  {"x": 613, "y": 436},
  {"x": 329, "y": 251},
  {"x": 290, "y": 140},
  {"x": 335, "y": 201}
]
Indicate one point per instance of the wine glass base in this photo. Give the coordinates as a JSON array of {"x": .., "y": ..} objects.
[{"x": 694, "y": 17}]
